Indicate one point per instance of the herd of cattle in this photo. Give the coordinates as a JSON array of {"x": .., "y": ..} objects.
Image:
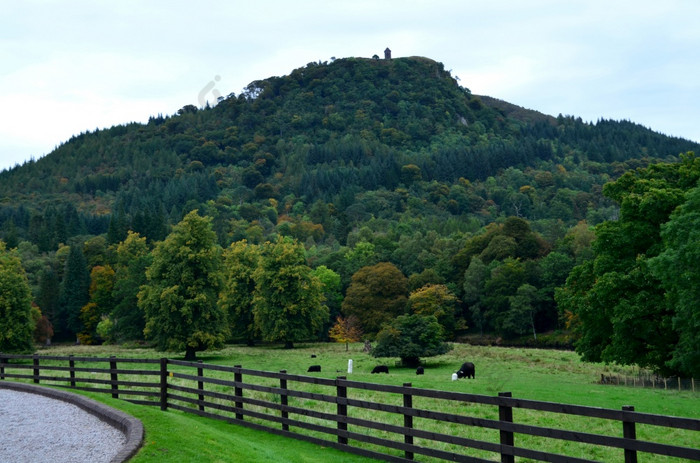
[{"x": 467, "y": 370}]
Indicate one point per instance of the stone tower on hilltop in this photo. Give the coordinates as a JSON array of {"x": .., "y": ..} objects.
[{"x": 387, "y": 53}]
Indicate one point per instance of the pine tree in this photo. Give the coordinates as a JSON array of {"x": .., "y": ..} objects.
[{"x": 74, "y": 293}]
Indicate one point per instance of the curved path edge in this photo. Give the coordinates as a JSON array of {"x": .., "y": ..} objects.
[{"x": 130, "y": 426}]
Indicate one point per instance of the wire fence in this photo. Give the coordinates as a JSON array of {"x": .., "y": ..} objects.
[{"x": 651, "y": 381}]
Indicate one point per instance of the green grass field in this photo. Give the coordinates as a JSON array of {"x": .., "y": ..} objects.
[{"x": 549, "y": 375}]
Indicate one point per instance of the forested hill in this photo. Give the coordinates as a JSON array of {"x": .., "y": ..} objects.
[{"x": 387, "y": 173}]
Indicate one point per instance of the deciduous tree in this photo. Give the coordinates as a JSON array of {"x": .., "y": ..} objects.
[
  {"x": 241, "y": 260},
  {"x": 133, "y": 258},
  {"x": 287, "y": 304},
  {"x": 16, "y": 325},
  {"x": 346, "y": 330},
  {"x": 411, "y": 337},
  {"x": 620, "y": 307},
  {"x": 436, "y": 300},
  {"x": 180, "y": 296},
  {"x": 376, "y": 295},
  {"x": 678, "y": 268}
]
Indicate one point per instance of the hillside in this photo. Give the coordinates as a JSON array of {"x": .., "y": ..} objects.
[{"x": 394, "y": 155}]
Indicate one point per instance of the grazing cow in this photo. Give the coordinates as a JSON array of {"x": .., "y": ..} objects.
[
  {"x": 313, "y": 356},
  {"x": 314, "y": 368},
  {"x": 466, "y": 370},
  {"x": 380, "y": 369},
  {"x": 419, "y": 371}
]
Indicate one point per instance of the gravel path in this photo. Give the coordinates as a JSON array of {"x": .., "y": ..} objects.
[{"x": 35, "y": 428}]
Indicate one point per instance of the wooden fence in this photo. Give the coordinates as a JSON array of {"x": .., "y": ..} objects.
[
  {"x": 386, "y": 422},
  {"x": 650, "y": 380}
]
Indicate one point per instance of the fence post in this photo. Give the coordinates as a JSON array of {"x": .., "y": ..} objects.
[
  {"x": 35, "y": 360},
  {"x": 505, "y": 414},
  {"x": 200, "y": 386},
  {"x": 284, "y": 400},
  {"x": 238, "y": 391},
  {"x": 163, "y": 383},
  {"x": 408, "y": 421},
  {"x": 2, "y": 366},
  {"x": 114, "y": 378},
  {"x": 342, "y": 410},
  {"x": 629, "y": 431},
  {"x": 71, "y": 370}
]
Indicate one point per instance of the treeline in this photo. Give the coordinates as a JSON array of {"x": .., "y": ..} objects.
[{"x": 625, "y": 288}]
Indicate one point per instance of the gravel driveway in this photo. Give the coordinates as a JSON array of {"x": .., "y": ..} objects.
[{"x": 35, "y": 428}]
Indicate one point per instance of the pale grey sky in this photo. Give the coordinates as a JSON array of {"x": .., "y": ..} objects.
[{"x": 71, "y": 66}]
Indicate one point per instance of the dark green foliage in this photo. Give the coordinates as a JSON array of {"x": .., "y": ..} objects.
[
  {"x": 74, "y": 294},
  {"x": 677, "y": 266},
  {"x": 411, "y": 337},
  {"x": 622, "y": 310},
  {"x": 132, "y": 260}
]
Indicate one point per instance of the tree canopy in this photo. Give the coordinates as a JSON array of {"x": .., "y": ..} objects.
[
  {"x": 411, "y": 337},
  {"x": 376, "y": 295},
  {"x": 180, "y": 296},
  {"x": 622, "y": 310},
  {"x": 287, "y": 303},
  {"x": 16, "y": 324}
]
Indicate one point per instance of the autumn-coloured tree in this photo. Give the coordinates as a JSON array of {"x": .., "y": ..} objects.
[
  {"x": 100, "y": 305},
  {"x": 376, "y": 295},
  {"x": 436, "y": 300},
  {"x": 346, "y": 330},
  {"x": 43, "y": 330}
]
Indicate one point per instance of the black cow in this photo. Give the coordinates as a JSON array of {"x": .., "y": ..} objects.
[
  {"x": 313, "y": 356},
  {"x": 380, "y": 369},
  {"x": 419, "y": 371},
  {"x": 466, "y": 370},
  {"x": 314, "y": 368}
]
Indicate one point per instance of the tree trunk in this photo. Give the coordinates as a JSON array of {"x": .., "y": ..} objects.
[
  {"x": 288, "y": 345},
  {"x": 190, "y": 354}
]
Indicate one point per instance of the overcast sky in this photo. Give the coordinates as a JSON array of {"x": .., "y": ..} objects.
[{"x": 71, "y": 66}]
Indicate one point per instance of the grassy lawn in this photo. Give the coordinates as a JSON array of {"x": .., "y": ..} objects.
[
  {"x": 549, "y": 375},
  {"x": 174, "y": 436}
]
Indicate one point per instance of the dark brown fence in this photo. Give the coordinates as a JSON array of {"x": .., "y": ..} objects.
[{"x": 387, "y": 422}]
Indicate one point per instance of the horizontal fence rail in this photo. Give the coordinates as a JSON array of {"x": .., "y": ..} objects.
[{"x": 387, "y": 422}]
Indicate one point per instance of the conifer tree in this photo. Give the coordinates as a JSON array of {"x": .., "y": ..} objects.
[{"x": 74, "y": 293}]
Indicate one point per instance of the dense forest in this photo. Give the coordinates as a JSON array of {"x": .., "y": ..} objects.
[{"x": 386, "y": 173}]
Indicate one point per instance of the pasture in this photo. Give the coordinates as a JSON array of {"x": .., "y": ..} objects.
[{"x": 555, "y": 376}]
